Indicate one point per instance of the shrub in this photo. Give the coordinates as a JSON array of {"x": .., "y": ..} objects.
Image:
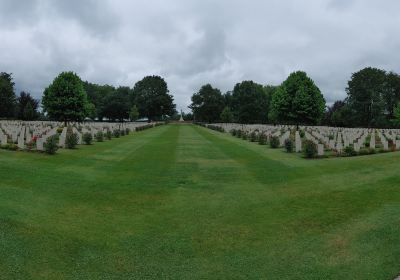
[
  {"x": 274, "y": 142},
  {"x": 108, "y": 135},
  {"x": 349, "y": 151},
  {"x": 51, "y": 145},
  {"x": 59, "y": 130},
  {"x": 302, "y": 133},
  {"x": 310, "y": 149},
  {"x": 253, "y": 136},
  {"x": 372, "y": 151},
  {"x": 127, "y": 131},
  {"x": 71, "y": 140},
  {"x": 244, "y": 135},
  {"x": 122, "y": 132},
  {"x": 262, "y": 139},
  {"x": 363, "y": 152},
  {"x": 233, "y": 132},
  {"x": 99, "y": 136},
  {"x": 239, "y": 133},
  {"x": 289, "y": 145},
  {"x": 10, "y": 146},
  {"x": 116, "y": 133},
  {"x": 87, "y": 138}
]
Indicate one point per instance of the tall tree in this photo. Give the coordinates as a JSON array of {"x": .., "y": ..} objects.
[
  {"x": 116, "y": 105},
  {"x": 297, "y": 101},
  {"x": 226, "y": 115},
  {"x": 366, "y": 91},
  {"x": 391, "y": 95},
  {"x": 7, "y": 95},
  {"x": 134, "y": 113},
  {"x": 207, "y": 104},
  {"x": 65, "y": 99},
  {"x": 250, "y": 102},
  {"x": 27, "y": 107},
  {"x": 152, "y": 98}
]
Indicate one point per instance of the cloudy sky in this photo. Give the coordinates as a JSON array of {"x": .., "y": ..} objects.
[{"x": 193, "y": 42}]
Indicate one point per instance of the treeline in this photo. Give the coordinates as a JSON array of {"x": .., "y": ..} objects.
[
  {"x": 23, "y": 106},
  {"x": 373, "y": 100},
  {"x": 68, "y": 98},
  {"x": 296, "y": 101}
]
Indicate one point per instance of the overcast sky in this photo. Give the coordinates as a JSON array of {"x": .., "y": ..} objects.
[{"x": 191, "y": 43}]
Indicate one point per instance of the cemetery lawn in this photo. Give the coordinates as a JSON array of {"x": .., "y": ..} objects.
[{"x": 184, "y": 202}]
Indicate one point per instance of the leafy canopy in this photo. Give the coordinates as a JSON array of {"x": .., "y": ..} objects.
[
  {"x": 298, "y": 101},
  {"x": 65, "y": 99}
]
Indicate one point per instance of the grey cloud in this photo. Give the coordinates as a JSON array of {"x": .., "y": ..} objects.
[{"x": 191, "y": 43}]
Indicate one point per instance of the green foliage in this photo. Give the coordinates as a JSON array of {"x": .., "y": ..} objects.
[
  {"x": 274, "y": 142},
  {"x": 51, "y": 145},
  {"x": 250, "y": 102},
  {"x": 87, "y": 138},
  {"x": 370, "y": 95},
  {"x": 99, "y": 136},
  {"x": 7, "y": 96},
  {"x": 262, "y": 139},
  {"x": 91, "y": 111},
  {"x": 116, "y": 133},
  {"x": 298, "y": 101},
  {"x": 71, "y": 140},
  {"x": 9, "y": 146},
  {"x": 127, "y": 131},
  {"x": 134, "y": 113},
  {"x": 116, "y": 104},
  {"x": 226, "y": 115},
  {"x": 253, "y": 136},
  {"x": 152, "y": 98},
  {"x": 289, "y": 145},
  {"x": 349, "y": 151},
  {"x": 108, "y": 134},
  {"x": 65, "y": 99},
  {"x": 27, "y": 107},
  {"x": 310, "y": 149},
  {"x": 207, "y": 104}
]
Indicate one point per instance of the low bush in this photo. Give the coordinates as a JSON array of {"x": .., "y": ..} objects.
[
  {"x": 262, "y": 139},
  {"x": 87, "y": 138},
  {"x": 51, "y": 145},
  {"x": 71, "y": 140},
  {"x": 289, "y": 145},
  {"x": 99, "y": 136},
  {"x": 274, "y": 142},
  {"x": 116, "y": 133},
  {"x": 233, "y": 132},
  {"x": 244, "y": 135},
  {"x": 127, "y": 131},
  {"x": 349, "y": 151},
  {"x": 10, "y": 146},
  {"x": 310, "y": 149},
  {"x": 122, "y": 131},
  {"x": 216, "y": 128},
  {"x": 59, "y": 130},
  {"x": 108, "y": 135},
  {"x": 253, "y": 136}
]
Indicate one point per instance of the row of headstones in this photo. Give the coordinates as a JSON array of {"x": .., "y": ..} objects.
[
  {"x": 332, "y": 138},
  {"x": 22, "y": 132}
]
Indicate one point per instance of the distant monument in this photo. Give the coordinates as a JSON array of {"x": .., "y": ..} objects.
[{"x": 181, "y": 119}]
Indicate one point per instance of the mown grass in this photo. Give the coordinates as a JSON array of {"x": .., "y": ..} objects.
[{"x": 183, "y": 202}]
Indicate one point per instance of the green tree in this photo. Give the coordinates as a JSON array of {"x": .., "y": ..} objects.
[
  {"x": 297, "y": 101},
  {"x": 226, "y": 115},
  {"x": 116, "y": 105},
  {"x": 27, "y": 107},
  {"x": 91, "y": 111},
  {"x": 396, "y": 115},
  {"x": 250, "y": 102},
  {"x": 65, "y": 99},
  {"x": 152, "y": 98},
  {"x": 391, "y": 95},
  {"x": 7, "y": 96},
  {"x": 207, "y": 104},
  {"x": 134, "y": 113},
  {"x": 29, "y": 112},
  {"x": 366, "y": 90}
]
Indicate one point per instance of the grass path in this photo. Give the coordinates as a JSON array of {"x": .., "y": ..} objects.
[{"x": 183, "y": 202}]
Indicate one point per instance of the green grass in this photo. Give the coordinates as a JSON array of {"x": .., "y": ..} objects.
[{"x": 184, "y": 202}]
